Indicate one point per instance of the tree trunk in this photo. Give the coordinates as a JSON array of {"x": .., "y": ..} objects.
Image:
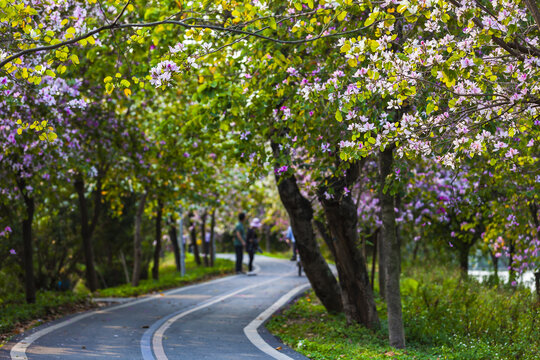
[
  {"x": 382, "y": 267},
  {"x": 374, "y": 258},
  {"x": 326, "y": 237},
  {"x": 342, "y": 220},
  {"x": 203, "y": 237},
  {"x": 157, "y": 248},
  {"x": 174, "y": 241},
  {"x": 28, "y": 248},
  {"x": 212, "y": 238},
  {"x": 300, "y": 213},
  {"x": 390, "y": 244},
  {"x": 537, "y": 284},
  {"x": 137, "y": 242},
  {"x": 87, "y": 230},
  {"x": 193, "y": 236},
  {"x": 464, "y": 259}
]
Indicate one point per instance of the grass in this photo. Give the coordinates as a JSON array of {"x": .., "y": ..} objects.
[
  {"x": 445, "y": 318},
  {"x": 16, "y": 315},
  {"x": 170, "y": 278}
]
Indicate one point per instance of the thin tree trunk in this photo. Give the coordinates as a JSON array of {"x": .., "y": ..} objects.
[
  {"x": 174, "y": 241},
  {"x": 87, "y": 230},
  {"x": 137, "y": 242},
  {"x": 374, "y": 258},
  {"x": 212, "y": 238},
  {"x": 157, "y": 248},
  {"x": 124, "y": 265},
  {"x": 537, "y": 283},
  {"x": 300, "y": 213},
  {"x": 28, "y": 248},
  {"x": 464, "y": 259},
  {"x": 382, "y": 267},
  {"x": 193, "y": 236},
  {"x": 342, "y": 220},
  {"x": 203, "y": 237},
  {"x": 392, "y": 252}
]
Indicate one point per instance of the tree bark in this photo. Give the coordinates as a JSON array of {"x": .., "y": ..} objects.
[
  {"x": 326, "y": 237},
  {"x": 390, "y": 245},
  {"x": 87, "y": 230},
  {"x": 212, "y": 238},
  {"x": 341, "y": 217},
  {"x": 137, "y": 242},
  {"x": 203, "y": 237},
  {"x": 300, "y": 213},
  {"x": 28, "y": 248},
  {"x": 157, "y": 248},
  {"x": 174, "y": 241}
]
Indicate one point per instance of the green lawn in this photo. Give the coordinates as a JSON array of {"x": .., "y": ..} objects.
[
  {"x": 170, "y": 278},
  {"x": 445, "y": 318}
]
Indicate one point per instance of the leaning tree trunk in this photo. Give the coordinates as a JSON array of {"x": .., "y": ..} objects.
[
  {"x": 300, "y": 213},
  {"x": 157, "y": 248},
  {"x": 390, "y": 245},
  {"x": 173, "y": 236},
  {"x": 137, "y": 242},
  {"x": 87, "y": 229},
  {"x": 203, "y": 237},
  {"x": 341, "y": 215},
  {"x": 28, "y": 248}
]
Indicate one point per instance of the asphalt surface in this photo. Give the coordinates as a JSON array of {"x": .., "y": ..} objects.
[{"x": 215, "y": 320}]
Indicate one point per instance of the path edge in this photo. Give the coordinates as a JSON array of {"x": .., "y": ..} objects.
[{"x": 252, "y": 329}]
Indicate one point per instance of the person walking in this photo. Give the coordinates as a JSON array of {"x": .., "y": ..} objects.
[
  {"x": 292, "y": 241},
  {"x": 252, "y": 241},
  {"x": 239, "y": 242}
]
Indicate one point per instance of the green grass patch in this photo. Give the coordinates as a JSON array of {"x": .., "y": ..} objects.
[
  {"x": 445, "y": 318},
  {"x": 14, "y": 309},
  {"x": 170, "y": 278}
]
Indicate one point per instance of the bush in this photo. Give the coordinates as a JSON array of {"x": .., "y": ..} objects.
[{"x": 445, "y": 317}]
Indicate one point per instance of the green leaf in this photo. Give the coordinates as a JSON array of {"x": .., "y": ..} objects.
[
  {"x": 342, "y": 15},
  {"x": 339, "y": 117},
  {"x": 371, "y": 19},
  {"x": 273, "y": 24}
]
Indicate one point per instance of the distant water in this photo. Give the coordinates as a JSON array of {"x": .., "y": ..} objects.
[{"x": 527, "y": 278}]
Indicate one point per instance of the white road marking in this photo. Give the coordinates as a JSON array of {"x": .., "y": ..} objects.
[
  {"x": 19, "y": 349},
  {"x": 157, "y": 339},
  {"x": 251, "y": 330}
]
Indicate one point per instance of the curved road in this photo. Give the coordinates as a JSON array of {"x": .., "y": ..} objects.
[{"x": 216, "y": 320}]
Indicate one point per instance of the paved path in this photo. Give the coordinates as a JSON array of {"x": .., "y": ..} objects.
[{"x": 215, "y": 320}]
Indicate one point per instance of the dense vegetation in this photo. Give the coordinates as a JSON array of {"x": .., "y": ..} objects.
[{"x": 445, "y": 317}]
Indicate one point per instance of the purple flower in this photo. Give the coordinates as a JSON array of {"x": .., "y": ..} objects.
[
  {"x": 7, "y": 229},
  {"x": 12, "y": 252}
]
